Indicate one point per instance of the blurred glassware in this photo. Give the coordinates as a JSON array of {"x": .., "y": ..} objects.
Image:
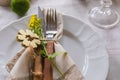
[{"x": 103, "y": 16}]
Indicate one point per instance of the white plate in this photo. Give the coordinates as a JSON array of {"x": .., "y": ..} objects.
[{"x": 83, "y": 44}]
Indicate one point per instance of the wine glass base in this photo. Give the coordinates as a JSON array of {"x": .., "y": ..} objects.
[{"x": 107, "y": 19}]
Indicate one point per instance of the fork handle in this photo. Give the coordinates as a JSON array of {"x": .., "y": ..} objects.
[{"x": 48, "y": 72}]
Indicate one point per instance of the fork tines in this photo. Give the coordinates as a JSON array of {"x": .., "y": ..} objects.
[{"x": 51, "y": 21}]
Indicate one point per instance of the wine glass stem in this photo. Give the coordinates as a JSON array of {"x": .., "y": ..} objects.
[{"x": 106, "y": 3}]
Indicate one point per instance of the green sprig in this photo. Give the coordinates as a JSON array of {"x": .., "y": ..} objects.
[{"x": 52, "y": 56}]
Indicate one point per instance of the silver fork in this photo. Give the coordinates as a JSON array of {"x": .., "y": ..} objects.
[
  {"x": 51, "y": 21},
  {"x": 51, "y": 31}
]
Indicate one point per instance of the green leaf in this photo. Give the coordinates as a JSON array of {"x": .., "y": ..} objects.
[
  {"x": 52, "y": 56},
  {"x": 37, "y": 31}
]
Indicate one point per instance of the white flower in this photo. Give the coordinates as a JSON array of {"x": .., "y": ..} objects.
[{"x": 28, "y": 38}]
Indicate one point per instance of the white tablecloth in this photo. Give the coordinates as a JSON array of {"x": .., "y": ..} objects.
[{"x": 78, "y": 9}]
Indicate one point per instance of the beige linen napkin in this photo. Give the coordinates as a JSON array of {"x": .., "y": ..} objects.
[
  {"x": 20, "y": 69},
  {"x": 11, "y": 62},
  {"x": 63, "y": 61},
  {"x": 66, "y": 65}
]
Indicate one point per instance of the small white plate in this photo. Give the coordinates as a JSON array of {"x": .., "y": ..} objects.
[{"x": 83, "y": 44}]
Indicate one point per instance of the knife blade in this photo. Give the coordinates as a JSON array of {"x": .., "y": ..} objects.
[{"x": 41, "y": 15}]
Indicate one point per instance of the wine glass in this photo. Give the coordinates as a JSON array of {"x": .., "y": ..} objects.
[{"x": 104, "y": 16}]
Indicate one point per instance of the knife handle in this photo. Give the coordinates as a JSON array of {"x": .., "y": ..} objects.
[{"x": 48, "y": 72}]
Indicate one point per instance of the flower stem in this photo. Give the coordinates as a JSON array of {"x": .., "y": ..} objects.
[{"x": 57, "y": 69}]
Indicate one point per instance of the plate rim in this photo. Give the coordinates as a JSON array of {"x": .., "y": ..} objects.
[
  {"x": 63, "y": 16},
  {"x": 107, "y": 56}
]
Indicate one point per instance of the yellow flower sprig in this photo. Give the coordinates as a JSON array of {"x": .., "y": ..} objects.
[{"x": 35, "y": 25}]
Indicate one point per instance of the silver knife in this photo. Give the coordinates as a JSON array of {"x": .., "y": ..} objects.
[{"x": 40, "y": 15}]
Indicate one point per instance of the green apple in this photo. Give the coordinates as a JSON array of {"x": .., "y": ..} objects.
[{"x": 20, "y": 6}]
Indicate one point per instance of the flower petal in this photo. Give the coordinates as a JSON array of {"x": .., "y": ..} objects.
[
  {"x": 21, "y": 37},
  {"x": 35, "y": 35},
  {"x": 26, "y": 42},
  {"x": 22, "y": 32},
  {"x": 37, "y": 41},
  {"x": 32, "y": 43},
  {"x": 29, "y": 32}
]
